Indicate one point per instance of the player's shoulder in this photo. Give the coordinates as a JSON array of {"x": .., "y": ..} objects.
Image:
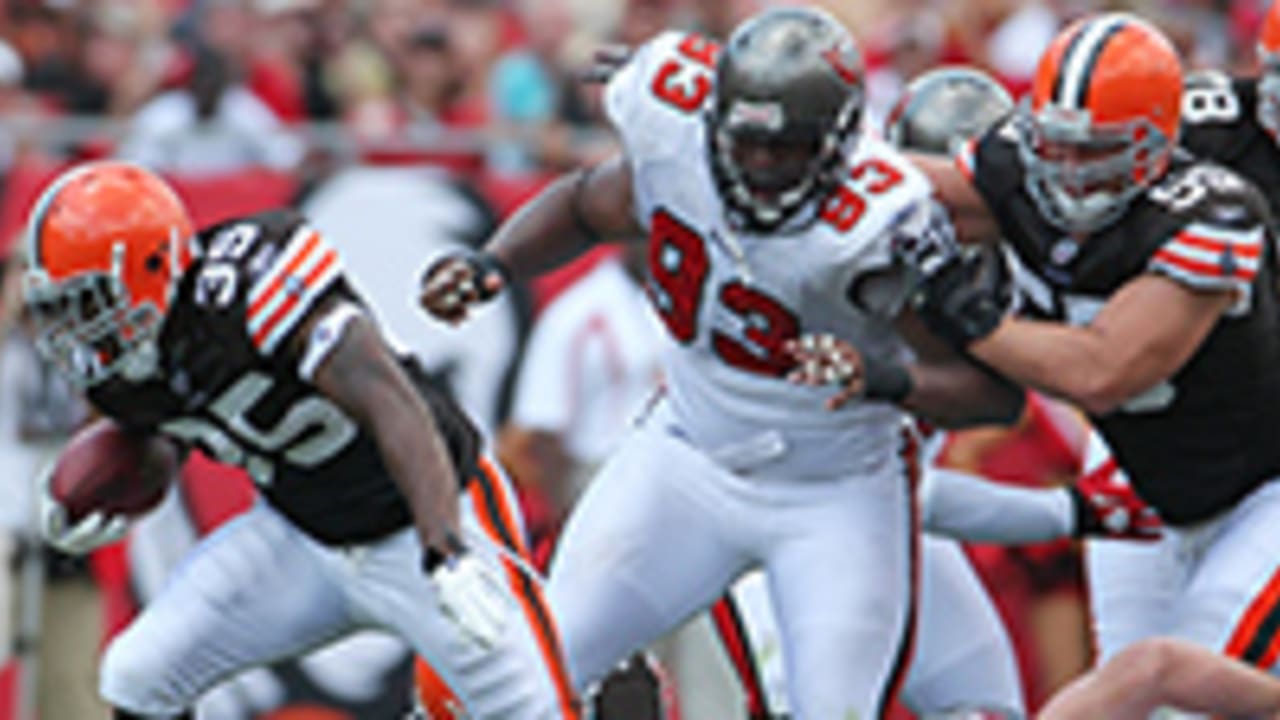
[
  {"x": 1206, "y": 192},
  {"x": 1218, "y": 224},
  {"x": 269, "y": 268},
  {"x": 883, "y": 188},
  {"x": 251, "y": 241},
  {"x": 1212, "y": 97},
  {"x": 662, "y": 88}
]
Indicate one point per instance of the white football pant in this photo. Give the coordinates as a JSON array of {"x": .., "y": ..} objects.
[
  {"x": 259, "y": 589},
  {"x": 662, "y": 531},
  {"x": 1215, "y": 583}
]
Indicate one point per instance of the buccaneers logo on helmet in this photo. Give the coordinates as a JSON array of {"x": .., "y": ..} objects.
[
  {"x": 106, "y": 243},
  {"x": 784, "y": 117},
  {"x": 1102, "y": 120}
]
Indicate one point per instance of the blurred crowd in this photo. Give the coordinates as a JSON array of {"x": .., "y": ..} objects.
[
  {"x": 492, "y": 92},
  {"x": 212, "y": 85}
]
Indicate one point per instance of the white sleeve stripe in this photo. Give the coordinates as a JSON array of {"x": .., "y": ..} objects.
[
  {"x": 1251, "y": 237},
  {"x": 286, "y": 324},
  {"x": 1211, "y": 257},
  {"x": 297, "y": 243},
  {"x": 965, "y": 158},
  {"x": 324, "y": 338},
  {"x": 261, "y": 315},
  {"x": 1197, "y": 279}
]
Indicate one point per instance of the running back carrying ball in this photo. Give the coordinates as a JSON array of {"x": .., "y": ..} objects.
[{"x": 104, "y": 468}]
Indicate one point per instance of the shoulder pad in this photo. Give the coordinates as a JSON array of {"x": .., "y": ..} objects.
[
  {"x": 1211, "y": 98},
  {"x": 667, "y": 80},
  {"x": 264, "y": 226},
  {"x": 1221, "y": 240},
  {"x": 273, "y": 265},
  {"x": 1208, "y": 192}
]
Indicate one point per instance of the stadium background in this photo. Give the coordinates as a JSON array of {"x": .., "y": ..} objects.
[{"x": 248, "y": 104}]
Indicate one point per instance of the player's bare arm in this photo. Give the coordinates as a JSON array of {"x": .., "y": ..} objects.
[
  {"x": 973, "y": 221},
  {"x": 1141, "y": 337},
  {"x": 564, "y": 220},
  {"x": 1162, "y": 672},
  {"x": 573, "y": 213},
  {"x": 951, "y": 390},
  {"x": 942, "y": 386},
  {"x": 364, "y": 380}
]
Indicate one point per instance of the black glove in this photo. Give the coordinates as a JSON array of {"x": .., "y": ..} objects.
[
  {"x": 956, "y": 299},
  {"x": 458, "y": 280},
  {"x": 481, "y": 265}
]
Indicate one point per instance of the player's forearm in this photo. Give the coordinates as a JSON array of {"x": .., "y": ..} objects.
[
  {"x": 567, "y": 218},
  {"x": 1073, "y": 363},
  {"x": 1163, "y": 672},
  {"x": 972, "y": 220},
  {"x": 969, "y": 508},
  {"x": 362, "y": 377},
  {"x": 542, "y": 234},
  {"x": 959, "y": 394},
  {"x": 1198, "y": 680},
  {"x": 415, "y": 456}
]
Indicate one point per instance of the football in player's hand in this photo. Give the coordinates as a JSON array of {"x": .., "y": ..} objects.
[{"x": 105, "y": 468}]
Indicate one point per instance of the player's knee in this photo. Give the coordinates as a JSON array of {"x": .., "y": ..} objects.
[{"x": 134, "y": 678}]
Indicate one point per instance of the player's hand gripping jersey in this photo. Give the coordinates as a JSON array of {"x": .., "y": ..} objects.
[
  {"x": 231, "y": 383},
  {"x": 729, "y": 298},
  {"x": 1202, "y": 226}
]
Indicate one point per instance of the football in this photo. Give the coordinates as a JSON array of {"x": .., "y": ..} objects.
[{"x": 103, "y": 467}]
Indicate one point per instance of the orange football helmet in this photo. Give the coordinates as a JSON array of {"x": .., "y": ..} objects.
[
  {"x": 1102, "y": 119},
  {"x": 106, "y": 244},
  {"x": 1269, "y": 79}
]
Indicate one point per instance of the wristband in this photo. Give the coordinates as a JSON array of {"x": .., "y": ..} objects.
[
  {"x": 885, "y": 379},
  {"x": 483, "y": 264},
  {"x": 433, "y": 557}
]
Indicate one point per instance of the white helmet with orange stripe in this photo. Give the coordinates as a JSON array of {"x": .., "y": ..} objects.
[
  {"x": 1102, "y": 120},
  {"x": 1269, "y": 79}
]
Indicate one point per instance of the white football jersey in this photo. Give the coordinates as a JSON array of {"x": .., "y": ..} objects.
[{"x": 730, "y": 299}]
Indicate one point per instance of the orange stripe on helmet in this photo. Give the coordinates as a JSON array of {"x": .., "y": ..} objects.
[
  {"x": 1138, "y": 74},
  {"x": 1116, "y": 66}
]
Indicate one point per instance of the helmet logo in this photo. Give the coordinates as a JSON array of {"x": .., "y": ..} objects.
[
  {"x": 843, "y": 61},
  {"x": 756, "y": 115}
]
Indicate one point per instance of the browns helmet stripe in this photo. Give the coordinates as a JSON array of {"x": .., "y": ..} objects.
[
  {"x": 40, "y": 210},
  {"x": 1071, "y": 88}
]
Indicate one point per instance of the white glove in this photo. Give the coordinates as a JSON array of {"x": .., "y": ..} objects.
[
  {"x": 92, "y": 531},
  {"x": 472, "y": 596}
]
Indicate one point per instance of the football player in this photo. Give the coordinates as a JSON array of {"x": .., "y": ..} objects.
[
  {"x": 1235, "y": 121},
  {"x": 1100, "y": 506},
  {"x": 1158, "y": 272},
  {"x": 378, "y": 509},
  {"x": 770, "y": 216},
  {"x": 963, "y": 659}
]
